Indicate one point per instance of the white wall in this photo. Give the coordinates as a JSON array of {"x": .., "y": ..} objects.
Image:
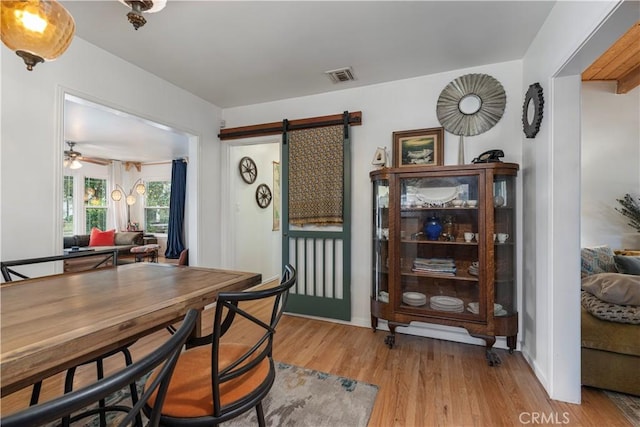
[
  {"x": 551, "y": 165},
  {"x": 31, "y": 136},
  {"x": 401, "y": 105},
  {"x": 254, "y": 246},
  {"x": 610, "y": 163}
]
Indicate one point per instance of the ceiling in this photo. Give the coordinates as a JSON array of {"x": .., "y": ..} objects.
[
  {"x": 235, "y": 53},
  {"x": 620, "y": 63}
]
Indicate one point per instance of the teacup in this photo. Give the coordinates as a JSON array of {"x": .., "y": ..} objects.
[
  {"x": 457, "y": 202},
  {"x": 502, "y": 237},
  {"x": 472, "y": 203},
  {"x": 468, "y": 237},
  {"x": 477, "y": 235}
]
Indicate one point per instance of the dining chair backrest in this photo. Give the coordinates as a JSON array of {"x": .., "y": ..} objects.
[
  {"x": 101, "y": 259},
  {"x": 228, "y": 304},
  {"x": 166, "y": 355}
]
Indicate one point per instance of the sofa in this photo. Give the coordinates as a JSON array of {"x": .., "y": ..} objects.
[
  {"x": 610, "y": 328},
  {"x": 121, "y": 241}
]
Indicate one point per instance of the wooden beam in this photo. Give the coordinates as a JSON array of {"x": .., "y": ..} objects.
[
  {"x": 275, "y": 128},
  {"x": 629, "y": 81},
  {"x": 625, "y": 48}
]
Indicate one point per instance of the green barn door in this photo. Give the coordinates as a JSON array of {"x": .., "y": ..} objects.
[{"x": 316, "y": 218}]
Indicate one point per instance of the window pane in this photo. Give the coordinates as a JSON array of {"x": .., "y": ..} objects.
[
  {"x": 157, "y": 220},
  {"x": 95, "y": 192},
  {"x": 95, "y": 201},
  {"x": 67, "y": 206},
  {"x": 157, "y": 206}
]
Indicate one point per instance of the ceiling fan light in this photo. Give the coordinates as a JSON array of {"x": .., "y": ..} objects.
[
  {"x": 116, "y": 195},
  {"x": 75, "y": 164},
  {"x": 37, "y": 30}
]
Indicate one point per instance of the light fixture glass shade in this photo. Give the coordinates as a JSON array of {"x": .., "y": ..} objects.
[
  {"x": 37, "y": 30},
  {"x": 75, "y": 164},
  {"x": 131, "y": 199},
  {"x": 116, "y": 195},
  {"x": 141, "y": 189}
]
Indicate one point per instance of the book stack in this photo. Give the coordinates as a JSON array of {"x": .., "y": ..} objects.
[{"x": 443, "y": 266}]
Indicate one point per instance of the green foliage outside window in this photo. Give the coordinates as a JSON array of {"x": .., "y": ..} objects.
[
  {"x": 67, "y": 206},
  {"x": 95, "y": 202},
  {"x": 156, "y": 210}
]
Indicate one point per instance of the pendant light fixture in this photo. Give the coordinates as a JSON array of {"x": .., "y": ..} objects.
[
  {"x": 140, "y": 6},
  {"x": 37, "y": 30}
]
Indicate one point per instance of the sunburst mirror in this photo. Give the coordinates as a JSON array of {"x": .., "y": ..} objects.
[{"x": 470, "y": 105}]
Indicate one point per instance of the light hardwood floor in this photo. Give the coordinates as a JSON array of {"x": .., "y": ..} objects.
[{"x": 422, "y": 381}]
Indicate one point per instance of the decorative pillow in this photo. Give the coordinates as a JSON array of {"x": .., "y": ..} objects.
[
  {"x": 69, "y": 241},
  {"x": 128, "y": 238},
  {"x": 82, "y": 240},
  {"x": 628, "y": 264},
  {"x": 598, "y": 259},
  {"x": 101, "y": 238},
  {"x": 616, "y": 288},
  {"x": 611, "y": 312}
]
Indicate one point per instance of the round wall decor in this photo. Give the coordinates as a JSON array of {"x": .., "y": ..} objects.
[
  {"x": 248, "y": 170},
  {"x": 532, "y": 110},
  {"x": 471, "y": 104},
  {"x": 263, "y": 195}
]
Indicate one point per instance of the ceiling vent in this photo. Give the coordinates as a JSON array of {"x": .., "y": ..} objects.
[{"x": 341, "y": 75}]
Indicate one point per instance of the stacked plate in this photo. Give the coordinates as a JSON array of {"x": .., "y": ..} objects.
[
  {"x": 473, "y": 269},
  {"x": 415, "y": 299},
  {"x": 473, "y": 307},
  {"x": 444, "y": 303}
]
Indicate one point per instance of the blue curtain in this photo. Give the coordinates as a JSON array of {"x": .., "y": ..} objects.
[{"x": 175, "y": 243}]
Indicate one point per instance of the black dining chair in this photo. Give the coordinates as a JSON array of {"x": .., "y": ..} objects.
[
  {"x": 161, "y": 361},
  {"x": 217, "y": 379},
  {"x": 8, "y": 269}
]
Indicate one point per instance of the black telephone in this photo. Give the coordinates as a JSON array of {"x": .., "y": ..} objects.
[{"x": 489, "y": 157}]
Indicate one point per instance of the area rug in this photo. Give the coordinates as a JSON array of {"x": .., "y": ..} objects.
[
  {"x": 299, "y": 397},
  {"x": 628, "y": 404}
]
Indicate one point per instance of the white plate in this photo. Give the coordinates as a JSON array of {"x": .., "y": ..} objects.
[
  {"x": 445, "y": 301},
  {"x": 414, "y": 298}
]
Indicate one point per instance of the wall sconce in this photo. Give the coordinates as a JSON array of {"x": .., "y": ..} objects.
[
  {"x": 37, "y": 30},
  {"x": 139, "y": 6},
  {"x": 130, "y": 199}
]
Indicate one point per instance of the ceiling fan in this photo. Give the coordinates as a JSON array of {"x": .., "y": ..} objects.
[{"x": 72, "y": 158}]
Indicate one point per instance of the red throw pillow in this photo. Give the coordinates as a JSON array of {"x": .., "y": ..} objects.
[{"x": 102, "y": 238}]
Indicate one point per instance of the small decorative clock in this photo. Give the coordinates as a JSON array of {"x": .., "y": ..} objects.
[
  {"x": 248, "y": 170},
  {"x": 263, "y": 195},
  {"x": 532, "y": 110}
]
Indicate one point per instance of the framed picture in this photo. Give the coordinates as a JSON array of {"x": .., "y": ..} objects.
[{"x": 420, "y": 147}]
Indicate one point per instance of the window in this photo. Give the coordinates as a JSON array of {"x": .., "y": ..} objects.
[
  {"x": 67, "y": 207},
  {"x": 156, "y": 211},
  {"x": 95, "y": 203}
]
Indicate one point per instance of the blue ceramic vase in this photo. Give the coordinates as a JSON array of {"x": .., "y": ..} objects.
[{"x": 432, "y": 228}]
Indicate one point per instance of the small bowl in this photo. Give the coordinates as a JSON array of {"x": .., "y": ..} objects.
[
  {"x": 457, "y": 202},
  {"x": 472, "y": 203}
]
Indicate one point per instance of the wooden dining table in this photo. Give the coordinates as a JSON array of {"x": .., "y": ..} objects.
[{"x": 49, "y": 324}]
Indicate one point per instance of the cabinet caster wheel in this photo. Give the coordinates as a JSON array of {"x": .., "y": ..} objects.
[
  {"x": 492, "y": 358},
  {"x": 390, "y": 340}
]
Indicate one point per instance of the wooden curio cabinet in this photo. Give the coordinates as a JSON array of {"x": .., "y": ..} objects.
[{"x": 444, "y": 249}]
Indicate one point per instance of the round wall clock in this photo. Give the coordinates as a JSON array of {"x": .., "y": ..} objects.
[
  {"x": 263, "y": 195},
  {"x": 532, "y": 110},
  {"x": 248, "y": 170}
]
